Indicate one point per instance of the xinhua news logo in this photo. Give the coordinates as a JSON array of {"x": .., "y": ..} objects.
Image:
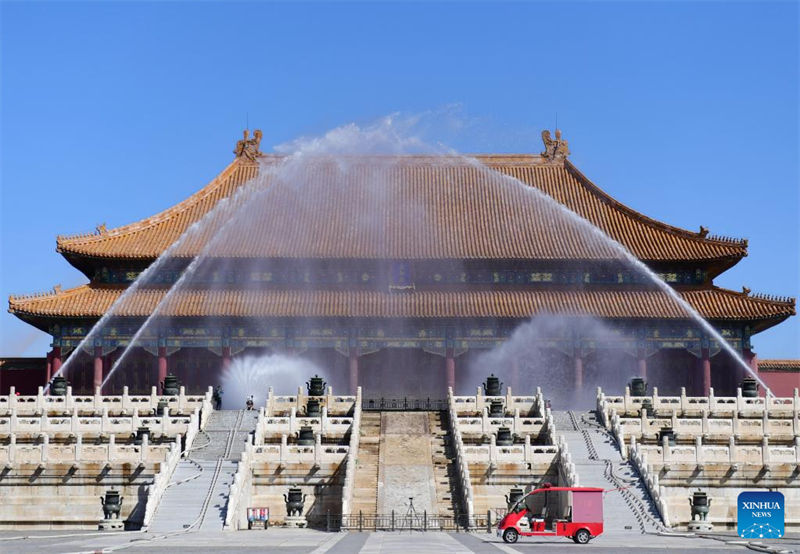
[{"x": 760, "y": 515}]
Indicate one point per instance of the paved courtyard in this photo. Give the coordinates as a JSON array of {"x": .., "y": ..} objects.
[{"x": 307, "y": 541}]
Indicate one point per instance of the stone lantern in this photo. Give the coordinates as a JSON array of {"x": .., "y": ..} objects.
[
  {"x": 316, "y": 386},
  {"x": 492, "y": 386}
]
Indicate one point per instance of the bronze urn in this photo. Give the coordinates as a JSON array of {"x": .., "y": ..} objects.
[
  {"x": 313, "y": 408},
  {"x": 316, "y": 386},
  {"x": 513, "y": 497},
  {"x": 667, "y": 432},
  {"x": 141, "y": 432},
  {"x": 504, "y": 437},
  {"x": 492, "y": 386},
  {"x": 749, "y": 388},
  {"x": 58, "y": 386},
  {"x": 305, "y": 436},
  {"x": 700, "y": 504},
  {"x": 112, "y": 504},
  {"x": 171, "y": 386},
  {"x": 496, "y": 409},
  {"x": 294, "y": 501},
  {"x": 638, "y": 386}
]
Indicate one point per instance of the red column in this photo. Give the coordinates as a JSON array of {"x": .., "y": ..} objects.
[
  {"x": 578, "y": 376},
  {"x": 226, "y": 357},
  {"x": 450, "y": 369},
  {"x": 56, "y": 365},
  {"x": 98, "y": 367},
  {"x": 705, "y": 365},
  {"x": 162, "y": 365},
  {"x": 641, "y": 362},
  {"x": 49, "y": 366},
  {"x": 353, "y": 363}
]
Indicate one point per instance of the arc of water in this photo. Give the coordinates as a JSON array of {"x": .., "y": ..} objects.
[
  {"x": 143, "y": 277},
  {"x": 631, "y": 259},
  {"x": 237, "y": 202}
]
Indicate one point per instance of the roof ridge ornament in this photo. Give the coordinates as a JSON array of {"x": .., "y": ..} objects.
[
  {"x": 703, "y": 232},
  {"x": 555, "y": 150},
  {"x": 249, "y": 147}
]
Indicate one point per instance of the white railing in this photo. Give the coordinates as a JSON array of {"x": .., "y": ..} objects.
[
  {"x": 724, "y": 406},
  {"x": 96, "y": 425},
  {"x": 14, "y": 454},
  {"x": 476, "y": 404},
  {"x": 240, "y": 493},
  {"x": 734, "y": 455},
  {"x": 352, "y": 455},
  {"x": 461, "y": 461},
  {"x": 328, "y": 426},
  {"x": 486, "y": 424},
  {"x": 156, "y": 489},
  {"x": 95, "y": 404},
  {"x": 650, "y": 478},
  {"x": 336, "y": 404},
  {"x": 778, "y": 430}
]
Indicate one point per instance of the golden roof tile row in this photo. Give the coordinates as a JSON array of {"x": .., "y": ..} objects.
[{"x": 94, "y": 300}]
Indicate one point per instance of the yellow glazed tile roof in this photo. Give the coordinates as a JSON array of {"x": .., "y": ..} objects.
[{"x": 404, "y": 207}]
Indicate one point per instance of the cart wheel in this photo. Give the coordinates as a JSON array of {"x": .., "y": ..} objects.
[
  {"x": 582, "y": 536},
  {"x": 510, "y": 535}
]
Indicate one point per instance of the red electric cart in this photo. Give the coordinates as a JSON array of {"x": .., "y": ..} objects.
[{"x": 574, "y": 512}]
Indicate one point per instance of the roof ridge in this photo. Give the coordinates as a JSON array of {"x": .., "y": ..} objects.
[
  {"x": 700, "y": 236},
  {"x": 764, "y": 297}
]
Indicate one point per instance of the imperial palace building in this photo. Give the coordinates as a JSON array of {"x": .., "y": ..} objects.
[{"x": 420, "y": 292}]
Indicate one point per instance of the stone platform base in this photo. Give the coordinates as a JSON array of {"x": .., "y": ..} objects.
[
  {"x": 112, "y": 525},
  {"x": 295, "y": 521},
  {"x": 700, "y": 527}
]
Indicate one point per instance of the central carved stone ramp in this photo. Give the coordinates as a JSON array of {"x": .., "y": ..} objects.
[
  {"x": 197, "y": 495},
  {"x": 365, "y": 487},
  {"x": 599, "y": 464},
  {"x": 444, "y": 465},
  {"x": 406, "y": 464}
]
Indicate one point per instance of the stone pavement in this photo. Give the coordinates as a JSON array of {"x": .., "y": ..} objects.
[{"x": 317, "y": 542}]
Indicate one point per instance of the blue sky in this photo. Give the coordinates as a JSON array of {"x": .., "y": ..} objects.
[{"x": 687, "y": 112}]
